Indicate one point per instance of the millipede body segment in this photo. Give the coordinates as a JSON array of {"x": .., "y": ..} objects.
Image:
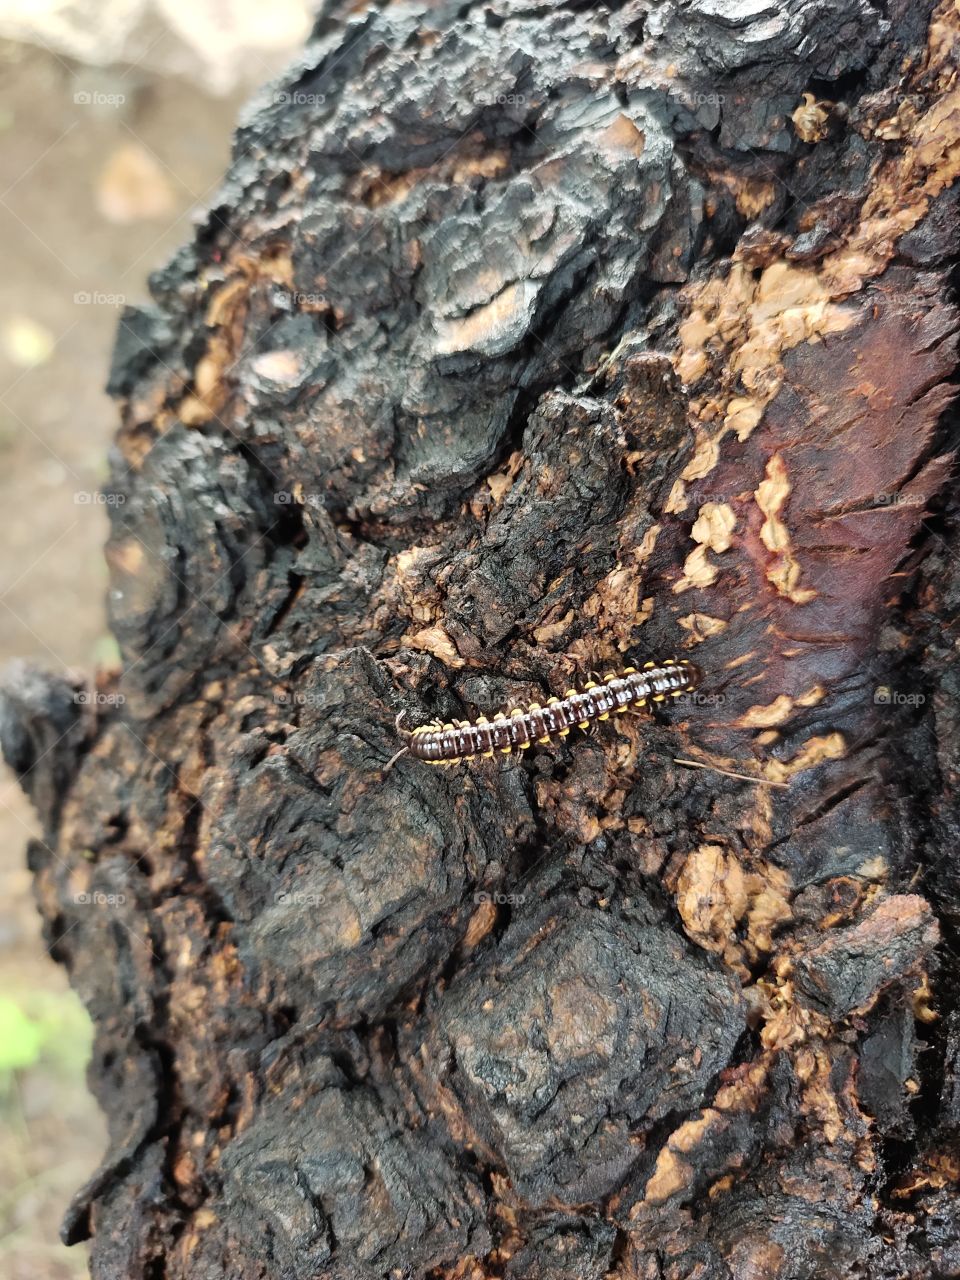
[{"x": 515, "y": 731}]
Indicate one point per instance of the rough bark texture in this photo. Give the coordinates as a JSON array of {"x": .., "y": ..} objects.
[{"x": 525, "y": 341}]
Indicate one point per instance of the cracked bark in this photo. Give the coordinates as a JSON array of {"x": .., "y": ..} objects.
[{"x": 520, "y": 343}]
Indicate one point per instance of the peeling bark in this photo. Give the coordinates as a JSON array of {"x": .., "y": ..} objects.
[{"x": 522, "y": 343}]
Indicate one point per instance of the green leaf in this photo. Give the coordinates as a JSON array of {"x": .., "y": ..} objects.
[{"x": 21, "y": 1039}]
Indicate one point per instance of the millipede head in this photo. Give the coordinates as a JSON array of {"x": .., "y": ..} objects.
[{"x": 692, "y": 672}]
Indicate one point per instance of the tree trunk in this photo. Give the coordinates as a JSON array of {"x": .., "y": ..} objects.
[{"x": 524, "y": 342}]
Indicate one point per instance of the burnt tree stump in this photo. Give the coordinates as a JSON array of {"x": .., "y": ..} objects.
[{"x": 523, "y": 342}]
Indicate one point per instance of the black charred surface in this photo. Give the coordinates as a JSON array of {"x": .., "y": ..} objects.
[
  {"x": 525, "y": 341},
  {"x": 45, "y": 723},
  {"x": 578, "y": 1032}
]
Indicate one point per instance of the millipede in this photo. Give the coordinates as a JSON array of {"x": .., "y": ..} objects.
[{"x": 614, "y": 694}]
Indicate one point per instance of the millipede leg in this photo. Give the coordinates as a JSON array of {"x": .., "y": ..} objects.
[{"x": 393, "y": 760}]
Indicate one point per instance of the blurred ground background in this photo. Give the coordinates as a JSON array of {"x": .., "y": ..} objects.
[{"x": 102, "y": 170}]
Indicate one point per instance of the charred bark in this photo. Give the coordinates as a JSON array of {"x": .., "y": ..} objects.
[{"x": 523, "y": 342}]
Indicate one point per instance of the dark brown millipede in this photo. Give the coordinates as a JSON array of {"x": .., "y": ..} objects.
[{"x": 449, "y": 744}]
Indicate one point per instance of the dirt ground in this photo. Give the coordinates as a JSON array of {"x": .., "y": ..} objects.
[{"x": 101, "y": 174}]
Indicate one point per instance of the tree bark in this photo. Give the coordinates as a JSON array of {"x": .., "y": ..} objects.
[{"x": 524, "y": 342}]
